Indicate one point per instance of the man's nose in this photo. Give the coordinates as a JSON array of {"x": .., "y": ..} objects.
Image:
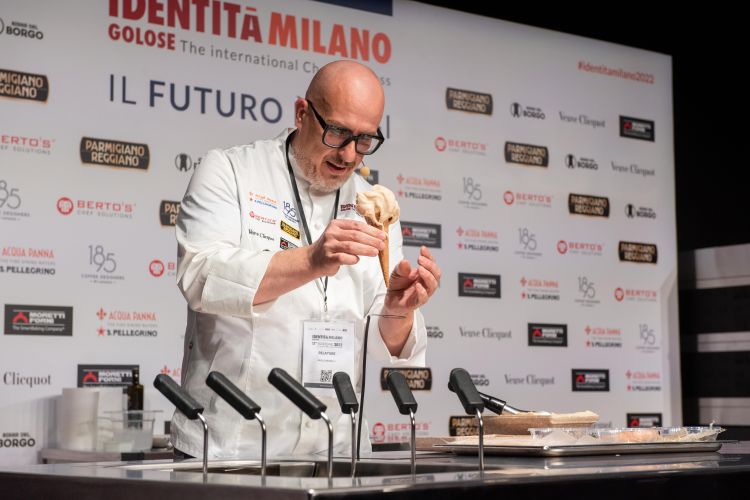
[{"x": 348, "y": 154}]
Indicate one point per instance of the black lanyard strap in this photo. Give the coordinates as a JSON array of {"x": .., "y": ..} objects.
[{"x": 301, "y": 211}]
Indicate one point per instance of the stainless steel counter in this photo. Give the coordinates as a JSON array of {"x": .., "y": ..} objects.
[{"x": 387, "y": 474}]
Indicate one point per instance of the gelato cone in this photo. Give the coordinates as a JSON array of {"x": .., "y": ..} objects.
[{"x": 380, "y": 209}]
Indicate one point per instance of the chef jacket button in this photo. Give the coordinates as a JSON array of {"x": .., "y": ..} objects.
[{"x": 309, "y": 424}]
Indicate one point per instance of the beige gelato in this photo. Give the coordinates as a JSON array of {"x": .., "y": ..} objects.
[{"x": 380, "y": 209}]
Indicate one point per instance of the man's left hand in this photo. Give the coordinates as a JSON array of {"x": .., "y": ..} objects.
[{"x": 411, "y": 288}]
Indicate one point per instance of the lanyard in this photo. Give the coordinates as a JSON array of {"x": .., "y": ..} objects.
[{"x": 301, "y": 212}]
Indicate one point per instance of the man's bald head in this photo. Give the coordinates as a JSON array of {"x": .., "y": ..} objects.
[{"x": 347, "y": 83}]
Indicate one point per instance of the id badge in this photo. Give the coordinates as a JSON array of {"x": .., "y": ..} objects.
[{"x": 328, "y": 347}]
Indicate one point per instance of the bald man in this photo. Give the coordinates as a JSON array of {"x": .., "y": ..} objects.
[{"x": 273, "y": 257}]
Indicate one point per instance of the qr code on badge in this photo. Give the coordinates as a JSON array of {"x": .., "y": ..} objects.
[{"x": 326, "y": 376}]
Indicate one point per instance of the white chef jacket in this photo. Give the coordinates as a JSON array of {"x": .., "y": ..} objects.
[{"x": 238, "y": 210}]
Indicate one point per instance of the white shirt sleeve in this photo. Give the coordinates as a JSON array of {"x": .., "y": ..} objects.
[
  {"x": 214, "y": 273},
  {"x": 413, "y": 353}
]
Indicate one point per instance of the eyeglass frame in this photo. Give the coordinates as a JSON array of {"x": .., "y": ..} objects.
[{"x": 326, "y": 127}]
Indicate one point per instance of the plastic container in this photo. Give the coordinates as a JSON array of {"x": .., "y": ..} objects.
[
  {"x": 592, "y": 435},
  {"x": 127, "y": 431}
]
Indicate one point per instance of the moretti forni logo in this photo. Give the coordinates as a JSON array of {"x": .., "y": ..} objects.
[
  {"x": 526, "y": 154},
  {"x": 637, "y": 128},
  {"x": 19, "y": 85},
  {"x": 235, "y": 21},
  {"x": 641, "y": 253},
  {"x": 479, "y": 285},
  {"x": 592, "y": 206},
  {"x": 463, "y": 425},
  {"x": 416, "y": 234},
  {"x": 114, "y": 153},
  {"x": 105, "y": 375},
  {"x": 468, "y": 101},
  {"x": 418, "y": 379},
  {"x": 38, "y": 320},
  {"x": 545, "y": 334},
  {"x": 586, "y": 380},
  {"x": 644, "y": 419},
  {"x": 168, "y": 212}
]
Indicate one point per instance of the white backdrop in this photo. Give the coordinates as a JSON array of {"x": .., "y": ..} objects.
[{"x": 88, "y": 261}]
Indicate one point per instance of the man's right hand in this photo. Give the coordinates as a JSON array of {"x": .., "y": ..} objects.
[{"x": 342, "y": 243}]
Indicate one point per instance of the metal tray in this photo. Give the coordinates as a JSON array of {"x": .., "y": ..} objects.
[{"x": 582, "y": 450}]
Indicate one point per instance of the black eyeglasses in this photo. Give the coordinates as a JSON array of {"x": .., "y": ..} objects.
[{"x": 338, "y": 137}]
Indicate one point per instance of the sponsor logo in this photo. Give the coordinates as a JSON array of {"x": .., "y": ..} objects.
[
  {"x": 583, "y": 248},
  {"x": 105, "y": 375},
  {"x": 27, "y": 261},
  {"x": 480, "y": 380},
  {"x": 418, "y": 379},
  {"x": 635, "y": 295},
  {"x": 528, "y": 379},
  {"x": 518, "y": 110},
  {"x": 259, "y": 234},
  {"x": 593, "y": 206},
  {"x": 290, "y": 213},
  {"x": 11, "y": 202},
  {"x": 546, "y": 334},
  {"x": 603, "y": 337},
  {"x": 471, "y": 194},
  {"x": 479, "y": 285},
  {"x": 263, "y": 202},
  {"x": 641, "y": 253},
  {"x": 632, "y": 212},
  {"x": 637, "y": 128},
  {"x": 38, "y": 320},
  {"x": 19, "y": 85},
  {"x": 419, "y": 188},
  {"x": 527, "y": 245},
  {"x": 416, "y": 234},
  {"x": 582, "y": 120},
  {"x": 17, "y": 440},
  {"x": 168, "y": 212},
  {"x": 95, "y": 208},
  {"x": 643, "y": 381},
  {"x": 527, "y": 199},
  {"x": 15, "y": 379},
  {"x": 484, "y": 333},
  {"x": 633, "y": 168},
  {"x": 539, "y": 289},
  {"x": 294, "y": 233},
  {"x": 399, "y": 432},
  {"x": 119, "y": 323},
  {"x": 157, "y": 268},
  {"x": 173, "y": 372},
  {"x": 462, "y": 146},
  {"x": 434, "y": 332},
  {"x": 285, "y": 244},
  {"x": 589, "y": 380},
  {"x": 183, "y": 162},
  {"x": 102, "y": 266},
  {"x": 262, "y": 218},
  {"x": 155, "y": 25},
  {"x": 648, "y": 342},
  {"x": 477, "y": 240},
  {"x": 21, "y": 30},
  {"x": 603, "y": 69},
  {"x": 114, "y": 153},
  {"x": 463, "y": 425},
  {"x": 526, "y": 154},
  {"x": 583, "y": 163},
  {"x": 586, "y": 293},
  {"x": 644, "y": 419},
  {"x": 26, "y": 144},
  {"x": 468, "y": 101}
]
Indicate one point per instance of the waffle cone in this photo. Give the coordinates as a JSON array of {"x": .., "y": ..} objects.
[{"x": 383, "y": 256}]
